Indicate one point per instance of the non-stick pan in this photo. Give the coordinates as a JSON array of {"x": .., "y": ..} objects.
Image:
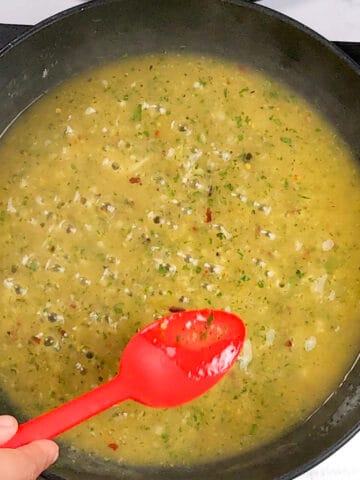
[{"x": 102, "y": 31}]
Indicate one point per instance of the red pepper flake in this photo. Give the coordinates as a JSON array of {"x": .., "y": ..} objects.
[
  {"x": 36, "y": 339},
  {"x": 289, "y": 343},
  {"x": 135, "y": 180},
  {"x": 73, "y": 305},
  {"x": 63, "y": 333},
  {"x": 194, "y": 228},
  {"x": 113, "y": 446},
  {"x": 157, "y": 133},
  {"x": 294, "y": 211},
  {"x": 208, "y": 215},
  {"x": 176, "y": 309}
]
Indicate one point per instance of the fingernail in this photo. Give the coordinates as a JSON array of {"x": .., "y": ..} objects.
[
  {"x": 56, "y": 455},
  {"x": 6, "y": 421}
]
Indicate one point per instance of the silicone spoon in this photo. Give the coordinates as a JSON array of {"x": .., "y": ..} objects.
[{"x": 169, "y": 362}]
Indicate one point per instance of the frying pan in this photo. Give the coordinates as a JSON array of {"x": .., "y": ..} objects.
[{"x": 102, "y": 31}]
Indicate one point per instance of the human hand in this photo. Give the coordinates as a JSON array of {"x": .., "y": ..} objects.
[{"x": 24, "y": 463}]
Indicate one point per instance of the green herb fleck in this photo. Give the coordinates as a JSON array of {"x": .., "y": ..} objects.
[
  {"x": 286, "y": 140},
  {"x": 200, "y": 138},
  {"x": 253, "y": 429},
  {"x": 274, "y": 94},
  {"x": 33, "y": 266},
  {"x": 238, "y": 121},
  {"x": 163, "y": 268},
  {"x": 299, "y": 273},
  {"x": 331, "y": 265},
  {"x": 138, "y": 113},
  {"x": 261, "y": 284},
  {"x": 277, "y": 121},
  {"x": 239, "y": 252}
]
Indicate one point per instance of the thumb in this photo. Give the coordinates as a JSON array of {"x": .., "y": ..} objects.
[
  {"x": 8, "y": 428},
  {"x": 29, "y": 461}
]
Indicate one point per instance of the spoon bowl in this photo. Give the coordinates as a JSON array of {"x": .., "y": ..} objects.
[
  {"x": 190, "y": 350},
  {"x": 166, "y": 364}
]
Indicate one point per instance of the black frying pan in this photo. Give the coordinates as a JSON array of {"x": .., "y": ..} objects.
[{"x": 102, "y": 31}]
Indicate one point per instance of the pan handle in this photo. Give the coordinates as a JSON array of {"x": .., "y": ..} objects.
[
  {"x": 352, "y": 49},
  {"x": 8, "y": 33}
]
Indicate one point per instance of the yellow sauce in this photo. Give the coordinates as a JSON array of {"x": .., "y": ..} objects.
[{"x": 174, "y": 181}]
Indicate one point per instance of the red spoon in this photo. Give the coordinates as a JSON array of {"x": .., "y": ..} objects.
[{"x": 169, "y": 362}]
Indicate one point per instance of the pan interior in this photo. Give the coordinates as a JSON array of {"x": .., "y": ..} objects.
[
  {"x": 106, "y": 31},
  {"x": 210, "y": 173}
]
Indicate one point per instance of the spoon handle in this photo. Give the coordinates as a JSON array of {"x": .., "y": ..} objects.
[{"x": 56, "y": 421}]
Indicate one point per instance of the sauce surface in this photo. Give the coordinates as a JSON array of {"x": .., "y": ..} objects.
[{"x": 170, "y": 182}]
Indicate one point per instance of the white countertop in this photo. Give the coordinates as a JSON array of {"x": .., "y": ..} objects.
[{"x": 336, "y": 20}]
